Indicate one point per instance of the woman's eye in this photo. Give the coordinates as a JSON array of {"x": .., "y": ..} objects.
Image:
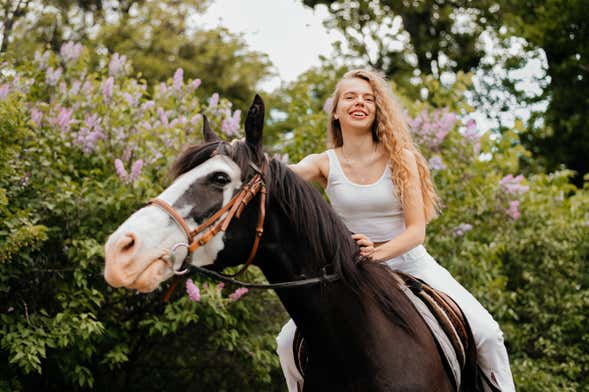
[{"x": 220, "y": 178}]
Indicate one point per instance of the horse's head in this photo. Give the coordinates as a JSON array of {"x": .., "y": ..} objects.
[{"x": 147, "y": 248}]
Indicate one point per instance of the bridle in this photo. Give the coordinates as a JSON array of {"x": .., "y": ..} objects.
[{"x": 217, "y": 223}]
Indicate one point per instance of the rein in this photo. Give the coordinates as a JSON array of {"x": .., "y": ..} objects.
[{"x": 199, "y": 237}]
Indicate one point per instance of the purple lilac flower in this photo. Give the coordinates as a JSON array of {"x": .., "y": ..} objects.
[
  {"x": 436, "y": 163},
  {"x": 87, "y": 88},
  {"x": 75, "y": 89},
  {"x": 192, "y": 290},
  {"x": 194, "y": 85},
  {"x": 327, "y": 105},
  {"x": 64, "y": 119},
  {"x": 178, "y": 79},
  {"x": 155, "y": 155},
  {"x": 117, "y": 65},
  {"x": 213, "y": 101},
  {"x": 131, "y": 99},
  {"x": 432, "y": 129},
  {"x": 237, "y": 294},
  {"x": 513, "y": 211},
  {"x": 145, "y": 125},
  {"x": 107, "y": 89},
  {"x": 512, "y": 185},
  {"x": 41, "y": 60},
  {"x": 163, "y": 117},
  {"x": 230, "y": 125},
  {"x": 136, "y": 170},
  {"x": 52, "y": 76},
  {"x": 462, "y": 229},
  {"x": 220, "y": 286},
  {"x": 120, "y": 169},
  {"x": 36, "y": 116},
  {"x": 70, "y": 51},
  {"x": 4, "y": 90},
  {"x": 147, "y": 105},
  {"x": 90, "y": 133}
]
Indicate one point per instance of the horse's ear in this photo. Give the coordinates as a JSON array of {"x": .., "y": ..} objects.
[
  {"x": 208, "y": 134},
  {"x": 254, "y": 123}
]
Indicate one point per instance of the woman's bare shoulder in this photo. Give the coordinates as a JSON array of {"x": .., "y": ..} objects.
[{"x": 313, "y": 167}]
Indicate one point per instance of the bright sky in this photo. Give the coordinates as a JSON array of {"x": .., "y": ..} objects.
[{"x": 292, "y": 35}]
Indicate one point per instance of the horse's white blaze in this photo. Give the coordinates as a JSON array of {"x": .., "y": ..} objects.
[{"x": 156, "y": 234}]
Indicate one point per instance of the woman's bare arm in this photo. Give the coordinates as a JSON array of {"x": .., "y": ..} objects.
[{"x": 312, "y": 168}]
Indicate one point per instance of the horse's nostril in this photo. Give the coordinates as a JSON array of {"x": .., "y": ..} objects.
[{"x": 127, "y": 242}]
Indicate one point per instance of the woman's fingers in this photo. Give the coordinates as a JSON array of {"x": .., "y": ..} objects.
[{"x": 366, "y": 246}]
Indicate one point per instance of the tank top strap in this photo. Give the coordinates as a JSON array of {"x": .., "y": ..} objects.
[{"x": 335, "y": 169}]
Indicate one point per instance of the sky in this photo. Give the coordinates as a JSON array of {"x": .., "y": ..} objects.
[{"x": 290, "y": 34}]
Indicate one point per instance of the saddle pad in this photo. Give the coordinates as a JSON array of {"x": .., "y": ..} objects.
[{"x": 439, "y": 334}]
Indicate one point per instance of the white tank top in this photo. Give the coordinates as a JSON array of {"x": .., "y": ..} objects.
[{"x": 373, "y": 209}]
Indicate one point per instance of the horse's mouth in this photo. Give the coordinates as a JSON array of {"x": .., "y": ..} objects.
[{"x": 150, "y": 278}]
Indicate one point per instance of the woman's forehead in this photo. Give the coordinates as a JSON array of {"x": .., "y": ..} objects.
[{"x": 355, "y": 85}]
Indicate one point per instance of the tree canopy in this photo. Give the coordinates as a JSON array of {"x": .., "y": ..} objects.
[{"x": 405, "y": 39}]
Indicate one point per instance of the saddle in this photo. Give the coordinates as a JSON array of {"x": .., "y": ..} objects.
[{"x": 449, "y": 328}]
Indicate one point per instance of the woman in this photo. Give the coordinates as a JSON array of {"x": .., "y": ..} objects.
[{"x": 379, "y": 184}]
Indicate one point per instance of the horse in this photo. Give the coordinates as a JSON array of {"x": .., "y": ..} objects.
[{"x": 229, "y": 202}]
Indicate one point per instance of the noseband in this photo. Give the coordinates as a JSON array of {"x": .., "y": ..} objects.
[{"x": 217, "y": 223}]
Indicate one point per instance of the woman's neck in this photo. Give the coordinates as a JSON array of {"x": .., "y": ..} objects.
[{"x": 356, "y": 146}]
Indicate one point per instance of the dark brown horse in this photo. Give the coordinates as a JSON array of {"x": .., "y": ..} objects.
[{"x": 361, "y": 332}]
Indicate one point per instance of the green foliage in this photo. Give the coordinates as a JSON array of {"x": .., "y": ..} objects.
[
  {"x": 62, "y": 128},
  {"x": 519, "y": 245},
  {"x": 409, "y": 40},
  {"x": 156, "y": 36}
]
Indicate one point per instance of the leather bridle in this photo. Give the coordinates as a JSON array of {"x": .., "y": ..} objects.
[{"x": 217, "y": 223}]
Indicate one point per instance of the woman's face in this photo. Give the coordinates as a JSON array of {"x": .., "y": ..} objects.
[{"x": 356, "y": 107}]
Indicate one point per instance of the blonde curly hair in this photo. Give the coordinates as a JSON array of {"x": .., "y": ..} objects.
[{"x": 389, "y": 128}]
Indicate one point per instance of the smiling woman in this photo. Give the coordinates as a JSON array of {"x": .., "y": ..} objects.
[{"x": 379, "y": 184}]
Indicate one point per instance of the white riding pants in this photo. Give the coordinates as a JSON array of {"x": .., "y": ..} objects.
[{"x": 492, "y": 355}]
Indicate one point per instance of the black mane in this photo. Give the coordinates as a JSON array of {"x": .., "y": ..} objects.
[
  {"x": 331, "y": 242},
  {"x": 327, "y": 237}
]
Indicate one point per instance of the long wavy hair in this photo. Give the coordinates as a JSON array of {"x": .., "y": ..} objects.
[{"x": 389, "y": 128}]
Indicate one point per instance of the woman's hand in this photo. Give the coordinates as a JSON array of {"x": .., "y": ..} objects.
[{"x": 366, "y": 246}]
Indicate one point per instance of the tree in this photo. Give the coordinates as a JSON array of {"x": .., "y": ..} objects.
[
  {"x": 156, "y": 36},
  {"x": 408, "y": 39}
]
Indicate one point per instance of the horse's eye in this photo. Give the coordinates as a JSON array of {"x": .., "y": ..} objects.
[{"x": 219, "y": 178}]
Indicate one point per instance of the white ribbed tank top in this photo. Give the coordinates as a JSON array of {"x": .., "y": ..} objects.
[{"x": 373, "y": 209}]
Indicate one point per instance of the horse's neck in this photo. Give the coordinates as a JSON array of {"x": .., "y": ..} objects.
[{"x": 286, "y": 257}]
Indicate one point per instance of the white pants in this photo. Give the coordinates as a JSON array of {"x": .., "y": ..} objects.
[{"x": 488, "y": 337}]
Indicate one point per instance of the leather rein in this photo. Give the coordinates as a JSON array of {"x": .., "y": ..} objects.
[{"x": 217, "y": 223}]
